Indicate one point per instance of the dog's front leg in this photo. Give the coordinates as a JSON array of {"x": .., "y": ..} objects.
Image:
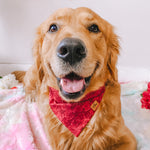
[
  {"x": 125, "y": 146},
  {"x": 126, "y": 142}
]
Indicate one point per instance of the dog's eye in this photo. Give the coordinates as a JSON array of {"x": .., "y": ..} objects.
[
  {"x": 53, "y": 28},
  {"x": 93, "y": 28}
]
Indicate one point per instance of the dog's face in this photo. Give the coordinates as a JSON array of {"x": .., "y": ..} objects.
[{"x": 78, "y": 51}]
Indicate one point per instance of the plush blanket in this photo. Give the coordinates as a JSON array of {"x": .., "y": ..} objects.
[
  {"x": 21, "y": 123},
  {"x": 136, "y": 118}
]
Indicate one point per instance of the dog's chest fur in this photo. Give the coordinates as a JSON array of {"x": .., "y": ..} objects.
[{"x": 100, "y": 131}]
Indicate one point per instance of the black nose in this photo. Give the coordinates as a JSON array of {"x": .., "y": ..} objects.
[{"x": 71, "y": 50}]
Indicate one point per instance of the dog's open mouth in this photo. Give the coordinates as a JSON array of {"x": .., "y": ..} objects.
[{"x": 72, "y": 85}]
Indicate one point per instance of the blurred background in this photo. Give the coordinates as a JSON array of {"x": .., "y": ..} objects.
[{"x": 131, "y": 19}]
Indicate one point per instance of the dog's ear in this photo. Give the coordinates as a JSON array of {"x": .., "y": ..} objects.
[
  {"x": 35, "y": 74},
  {"x": 113, "y": 52},
  {"x": 37, "y": 49}
]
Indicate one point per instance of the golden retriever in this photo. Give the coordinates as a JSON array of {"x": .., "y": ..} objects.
[{"x": 75, "y": 53}]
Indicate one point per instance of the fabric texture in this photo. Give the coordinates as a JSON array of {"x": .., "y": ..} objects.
[
  {"x": 75, "y": 115},
  {"x": 21, "y": 125}
]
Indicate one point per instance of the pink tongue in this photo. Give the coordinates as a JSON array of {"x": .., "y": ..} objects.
[{"x": 72, "y": 86}]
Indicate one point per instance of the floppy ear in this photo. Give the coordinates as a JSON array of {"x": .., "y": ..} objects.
[
  {"x": 37, "y": 49},
  {"x": 113, "y": 52},
  {"x": 35, "y": 74}
]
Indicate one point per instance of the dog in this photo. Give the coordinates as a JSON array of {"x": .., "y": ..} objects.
[{"x": 75, "y": 55}]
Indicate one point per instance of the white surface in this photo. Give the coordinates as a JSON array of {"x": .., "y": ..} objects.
[
  {"x": 8, "y": 68},
  {"x": 133, "y": 74},
  {"x": 19, "y": 19}
]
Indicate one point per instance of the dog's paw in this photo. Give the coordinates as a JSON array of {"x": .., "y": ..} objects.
[{"x": 30, "y": 98}]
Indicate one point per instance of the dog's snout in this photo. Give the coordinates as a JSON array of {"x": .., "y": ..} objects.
[{"x": 71, "y": 50}]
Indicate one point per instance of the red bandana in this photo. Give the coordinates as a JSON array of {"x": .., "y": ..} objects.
[{"x": 75, "y": 115}]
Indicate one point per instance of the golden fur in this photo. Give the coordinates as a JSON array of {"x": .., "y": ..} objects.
[
  {"x": 19, "y": 75},
  {"x": 106, "y": 130}
]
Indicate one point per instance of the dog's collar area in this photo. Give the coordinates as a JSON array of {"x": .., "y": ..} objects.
[{"x": 75, "y": 115}]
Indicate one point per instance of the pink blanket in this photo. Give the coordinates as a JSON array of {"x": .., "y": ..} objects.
[{"x": 20, "y": 123}]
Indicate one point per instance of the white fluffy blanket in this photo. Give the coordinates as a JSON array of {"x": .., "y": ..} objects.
[
  {"x": 21, "y": 126},
  {"x": 136, "y": 118}
]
